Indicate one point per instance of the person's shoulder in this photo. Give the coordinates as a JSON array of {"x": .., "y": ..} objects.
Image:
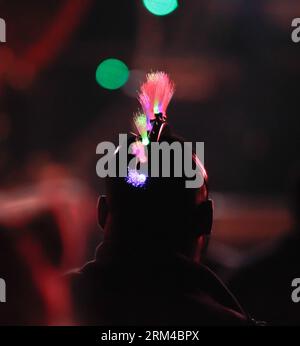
[
  {"x": 80, "y": 277},
  {"x": 211, "y": 312},
  {"x": 215, "y": 301},
  {"x": 83, "y": 291}
]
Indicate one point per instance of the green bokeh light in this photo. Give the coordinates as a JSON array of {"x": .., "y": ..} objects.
[
  {"x": 161, "y": 7},
  {"x": 112, "y": 74}
]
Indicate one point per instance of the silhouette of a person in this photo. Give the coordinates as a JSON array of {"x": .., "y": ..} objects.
[
  {"x": 148, "y": 268},
  {"x": 147, "y": 271}
]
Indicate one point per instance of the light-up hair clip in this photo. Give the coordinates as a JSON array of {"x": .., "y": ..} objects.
[{"x": 154, "y": 96}]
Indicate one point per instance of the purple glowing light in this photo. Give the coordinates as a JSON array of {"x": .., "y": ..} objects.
[{"x": 136, "y": 179}]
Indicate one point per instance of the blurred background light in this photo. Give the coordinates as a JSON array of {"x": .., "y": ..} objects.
[
  {"x": 161, "y": 7},
  {"x": 112, "y": 74},
  {"x": 134, "y": 82}
]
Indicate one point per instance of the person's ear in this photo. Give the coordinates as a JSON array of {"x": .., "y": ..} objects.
[
  {"x": 102, "y": 209},
  {"x": 204, "y": 217}
]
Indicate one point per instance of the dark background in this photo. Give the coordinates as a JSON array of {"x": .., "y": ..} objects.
[{"x": 237, "y": 74}]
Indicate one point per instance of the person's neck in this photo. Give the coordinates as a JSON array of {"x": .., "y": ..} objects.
[{"x": 144, "y": 238}]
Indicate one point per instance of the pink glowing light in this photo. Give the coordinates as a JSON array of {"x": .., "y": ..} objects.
[
  {"x": 138, "y": 149},
  {"x": 156, "y": 94}
]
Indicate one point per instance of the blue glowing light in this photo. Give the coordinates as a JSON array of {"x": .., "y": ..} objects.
[{"x": 136, "y": 179}]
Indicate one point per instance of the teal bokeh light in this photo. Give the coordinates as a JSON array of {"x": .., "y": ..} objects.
[
  {"x": 112, "y": 74},
  {"x": 160, "y": 7}
]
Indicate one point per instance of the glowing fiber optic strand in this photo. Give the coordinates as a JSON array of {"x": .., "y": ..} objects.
[
  {"x": 143, "y": 126},
  {"x": 138, "y": 149},
  {"x": 156, "y": 94},
  {"x": 136, "y": 179}
]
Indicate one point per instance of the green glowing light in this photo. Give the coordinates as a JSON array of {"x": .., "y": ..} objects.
[
  {"x": 161, "y": 7},
  {"x": 112, "y": 74},
  {"x": 145, "y": 141},
  {"x": 156, "y": 107}
]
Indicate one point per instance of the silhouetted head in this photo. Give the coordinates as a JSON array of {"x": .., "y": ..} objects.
[
  {"x": 160, "y": 212},
  {"x": 155, "y": 205}
]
